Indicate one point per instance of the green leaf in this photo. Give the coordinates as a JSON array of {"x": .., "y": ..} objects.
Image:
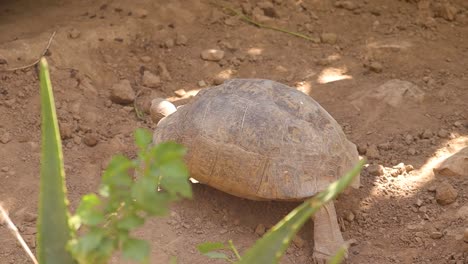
[
  {"x": 88, "y": 211},
  {"x": 130, "y": 221},
  {"x": 116, "y": 173},
  {"x": 271, "y": 247},
  {"x": 53, "y": 229},
  {"x": 148, "y": 199},
  {"x": 168, "y": 151},
  {"x": 142, "y": 138},
  {"x": 135, "y": 249},
  {"x": 175, "y": 178},
  {"x": 216, "y": 255},
  {"x": 210, "y": 246}
]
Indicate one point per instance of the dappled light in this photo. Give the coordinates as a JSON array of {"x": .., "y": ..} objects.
[{"x": 332, "y": 75}]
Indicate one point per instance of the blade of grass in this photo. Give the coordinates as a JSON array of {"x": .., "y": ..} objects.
[
  {"x": 53, "y": 228},
  {"x": 271, "y": 247}
]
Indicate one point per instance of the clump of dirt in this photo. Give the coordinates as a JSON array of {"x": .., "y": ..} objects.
[{"x": 391, "y": 73}]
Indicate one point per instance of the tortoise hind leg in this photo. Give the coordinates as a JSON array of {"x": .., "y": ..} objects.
[{"x": 327, "y": 235}]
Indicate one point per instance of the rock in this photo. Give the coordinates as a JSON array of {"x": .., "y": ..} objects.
[
  {"x": 463, "y": 212},
  {"x": 436, "y": 235},
  {"x": 465, "y": 235},
  {"x": 385, "y": 146},
  {"x": 444, "y": 10},
  {"x": 74, "y": 33},
  {"x": 122, "y": 93},
  {"x": 66, "y": 130},
  {"x": 140, "y": 12},
  {"x": 201, "y": 83},
  {"x": 423, "y": 209},
  {"x": 298, "y": 241},
  {"x": 427, "y": 134},
  {"x": 443, "y": 133},
  {"x": 145, "y": 59},
  {"x": 459, "y": 124},
  {"x": 162, "y": 69},
  {"x": 372, "y": 152},
  {"x": 260, "y": 229},
  {"x": 394, "y": 93},
  {"x": 90, "y": 139},
  {"x": 328, "y": 38},
  {"x": 259, "y": 15},
  {"x": 169, "y": 43},
  {"x": 5, "y": 138},
  {"x": 446, "y": 194},
  {"x": 348, "y": 5},
  {"x": 455, "y": 165},
  {"x": 181, "y": 40},
  {"x": 375, "y": 66},
  {"x": 350, "y": 217},
  {"x": 376, "y": 170},
  {"x": 362, "y": 149},
  {"x": 212, "y": 55},
  {"x": 3, "y": 61},
  {"x": 180, "y": 93},
  {"x": 411, "y": 151},
  {"x": 5, "y": 169},
  {"x": 160, "y": 108},
  {"x": 409, "y": 139},
  {"x": 409, "y": 168},
  {"x": 419, "y": 202},
  {"x": 219, "y": 80},
  {"x": 151, "y": 80}
]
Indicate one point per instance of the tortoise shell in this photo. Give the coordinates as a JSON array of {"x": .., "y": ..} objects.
[{"x": 259, "y": 139}]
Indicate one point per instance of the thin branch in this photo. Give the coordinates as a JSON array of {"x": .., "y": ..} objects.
[
  {"x": 253, "y": 22},
  {"x": 36, "y": 61},
  {"x": 14, "y": 230}
]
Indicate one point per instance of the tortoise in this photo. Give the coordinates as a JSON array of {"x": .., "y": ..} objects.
[{"x": 262, "y": 140}]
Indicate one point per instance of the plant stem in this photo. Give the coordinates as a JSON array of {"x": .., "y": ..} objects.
[
  {"x": 14, "y": 230},
  {"x": 251, "y": 21},
  {"x": 234, "y": 249}
]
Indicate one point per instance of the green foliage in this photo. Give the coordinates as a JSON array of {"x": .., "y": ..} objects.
[
  {"x": 53, "y": 229},
  {"x": 124, "y": 204},
  {"x": 271, "y": 247}
]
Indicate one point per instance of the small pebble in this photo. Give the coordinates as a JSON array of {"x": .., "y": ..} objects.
[
  {"x": 201, "y": 83},
  {"x": 372, "y": 152},
  {"x": 212, "y": 55},
  {"x": 362, "y": 149},
  {"x": 427, "y": 134},
  {"x": 350, "y": 217},
  {"x": 436, "y": 235},
  {"x": 375, "y": 170},
  {"x": 5, "y": 169},
  {"x": 66, "y": 131},
  {"x": 446, "y": 194},
  {"x": 443, "y": 133},
  {"x": 5, "y": 138},
  {"x": 260, "y": 229},
  {"x": 74, "y": 33},
  {"x": 181, "y": 40},
  {"x": 29, "y": 217},
  {"x": 169, "y": 43},
  {"x": 348, "y": 5},
  {"x": 151, "y": 80},
  {"x": 376, "y": 66},
  {"x": 419, "y": 202},
  {"x": 465, "y": 235},
  {"x": 90, "y": 139},
  {"x": 122, "y": 92},
  {"x": 140, "y": 12},
  {"x": 328, "y": 38},
  {"x": 145, "y": 58},
  {"x": 412, "y": 151},
  {"x": 180, "y": 92}
]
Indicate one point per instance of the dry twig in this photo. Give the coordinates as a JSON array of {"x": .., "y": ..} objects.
[
  {"x": 14, "y": 230},
  {"x": 36, "y": 61}
]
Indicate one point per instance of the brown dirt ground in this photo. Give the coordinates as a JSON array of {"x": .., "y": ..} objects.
[{"x": 393, "y": 219}]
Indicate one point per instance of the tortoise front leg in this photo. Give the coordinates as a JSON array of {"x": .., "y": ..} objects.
[{"x": 327, "y": 235}]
